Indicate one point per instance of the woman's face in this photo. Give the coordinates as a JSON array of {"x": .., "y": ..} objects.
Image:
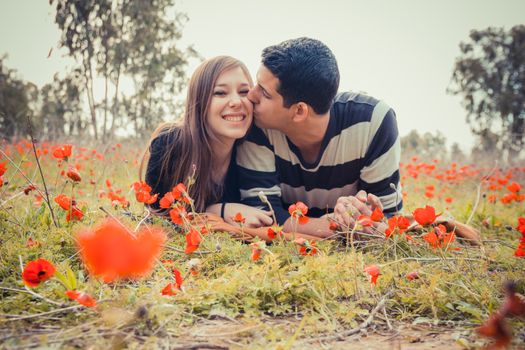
[{"x": 230, "y": 112}]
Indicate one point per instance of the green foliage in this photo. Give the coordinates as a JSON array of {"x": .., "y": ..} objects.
[{"x": 329, "y": 292}]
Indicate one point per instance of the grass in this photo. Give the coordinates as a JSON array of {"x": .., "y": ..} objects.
[{"x": 283, "y": 300}]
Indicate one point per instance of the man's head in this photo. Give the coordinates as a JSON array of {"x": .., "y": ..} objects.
[{"x": 294, "y": 73}]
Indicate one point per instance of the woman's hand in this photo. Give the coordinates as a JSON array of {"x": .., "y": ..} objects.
[{"x": 254, "y": 217}]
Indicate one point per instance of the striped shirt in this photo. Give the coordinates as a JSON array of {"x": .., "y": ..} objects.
[{"x": 360, "y": 151}]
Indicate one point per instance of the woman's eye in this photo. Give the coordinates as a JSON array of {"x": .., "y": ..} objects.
[
  {"x": 244, "y": 92},
  {"x": 219, "y": 93}
]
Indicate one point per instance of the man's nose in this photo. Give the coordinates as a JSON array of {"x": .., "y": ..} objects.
[{"x": 253, "y": 96}]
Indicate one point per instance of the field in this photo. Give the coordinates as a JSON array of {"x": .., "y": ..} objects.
[{"x": 433, "y": 289}]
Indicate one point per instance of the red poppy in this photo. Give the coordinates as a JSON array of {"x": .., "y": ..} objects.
[
  {"x": 1, "y": 181},
  {"x": 298, "y": 212},
  {"x": 193, "y": 239},
  {"x": 3, "y": 168},
  {"x": 63, "y": 201},
  {"x": 143, "y": 193},
  {"x": 37, "y": 271},
  {"x": 178, "y": 278},
  {"x": 63, "y": 152},
  {"x": 377, "y": 215},
  {"x": 81, "y": 298},
  {"x": 167, "y": 200},
  {"x": 73, "y": 174},
  {"x": 365, "y": 221},
  {"x": 400, "y": 223},
  {"x": 110, "y": 251},
  {"x": 29, "y": 189},
  {"x": 74, "y": 214},
  {"x": 414, "y": 275},
  {"x": 274, "y": 231},
  {"x": 257, "y": 248},
  {"x": 239, "y": 218},
  {"x": 177, "y": 214},
  {"x": 170, "y": 289},
  {"x": 333, "y": 226},
  {"x": 514, "y": 187},
  {"x": 425, "y": 216},
  {"x": 373, "y": 271},
  {"x": 521, "y": 225}
]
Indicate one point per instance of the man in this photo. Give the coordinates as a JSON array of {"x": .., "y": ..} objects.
[{"x": 334, "y": 152}]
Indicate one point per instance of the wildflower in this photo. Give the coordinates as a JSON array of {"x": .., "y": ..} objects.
[
  {"x": 193, "y": 239},
  {"x": 400, "y": 223},
  {"x": 29, "y": 189},
  {"x": 177, "y": 214},
  {"x": 170, "y": 289},
  {"x": 373, "y": 271},
  {"x": 274, "y": 231},
  {"x": 514, "y": 187},
  {"x": 63, "y": 201},
  {"x": 521, "y": 225},
  {"x": 333, "y": 226},
  {"x": 73, "y": 174},
  {"x": 143, "y": 193},
  {"x": 238, "y": 218},
  {"x": 425, "y": 216},
  {"x": 306, "y": 247},
  {"x": 74, "y": 214},
  {"x": 298, "y": 212},
  {"x": 257, "y": 248},
  {"x": 414, "y": 275},
  {"x": 193, "y": 266},
  {"x": 32, "y": 243},
  {"x": 63, "y": 152},
  {"x": 3, "y": 168},
  {"x": 365, "y": 221},
  {"x": 111, "y": 251},
  {"x": 37, "y": 271},
  {"x": 377, "y": 215},
  {"x": 178, "y": 278},
  {"x": 81, "y": 298}
]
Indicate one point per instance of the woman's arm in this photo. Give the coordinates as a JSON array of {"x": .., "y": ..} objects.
[{"x": 254, "y": 217}]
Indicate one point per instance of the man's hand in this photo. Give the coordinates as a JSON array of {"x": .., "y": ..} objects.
[
  {"x": 348, "y": 209},
  {"x": 254, "y": 217}
]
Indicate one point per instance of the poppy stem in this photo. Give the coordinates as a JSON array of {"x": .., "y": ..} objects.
[{"x": 40, "y": 170}]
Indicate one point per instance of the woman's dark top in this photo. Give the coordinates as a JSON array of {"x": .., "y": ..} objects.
[{"x": 161, "y": 186}]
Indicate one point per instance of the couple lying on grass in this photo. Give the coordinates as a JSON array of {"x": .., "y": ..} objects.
[{"x": 290, "y": 136}]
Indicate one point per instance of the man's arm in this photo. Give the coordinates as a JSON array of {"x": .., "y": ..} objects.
[
  {"x": 380, "y": 173},
  {"x": 257, "y": 173}
]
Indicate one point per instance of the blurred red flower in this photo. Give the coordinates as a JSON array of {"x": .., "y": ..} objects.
[
  {"x": 63, "y": 152},
  {"x": 110, "y": 251}
]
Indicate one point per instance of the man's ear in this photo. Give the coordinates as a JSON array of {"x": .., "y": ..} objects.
[{"x": 301, "y": 111}]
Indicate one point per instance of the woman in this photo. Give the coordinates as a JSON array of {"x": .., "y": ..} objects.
[{"x": 202, "y": 145}]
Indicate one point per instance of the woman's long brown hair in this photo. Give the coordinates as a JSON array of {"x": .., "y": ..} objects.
[{"x": 192, "y": 148}]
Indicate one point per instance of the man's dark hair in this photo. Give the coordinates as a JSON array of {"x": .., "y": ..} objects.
[{"x": 307, "y": 72}]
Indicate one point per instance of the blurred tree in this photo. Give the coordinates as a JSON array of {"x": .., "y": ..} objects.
[
  {"x": 490, "y": 76},
  {"x": 114, "y": 39},
  {"x": 15, "y": 102},
  {"x": 61, "y": 106},
  {"x": 427, "y": 146}
]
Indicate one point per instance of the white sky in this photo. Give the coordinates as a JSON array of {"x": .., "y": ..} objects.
[{"x": 401, "y": 51}]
